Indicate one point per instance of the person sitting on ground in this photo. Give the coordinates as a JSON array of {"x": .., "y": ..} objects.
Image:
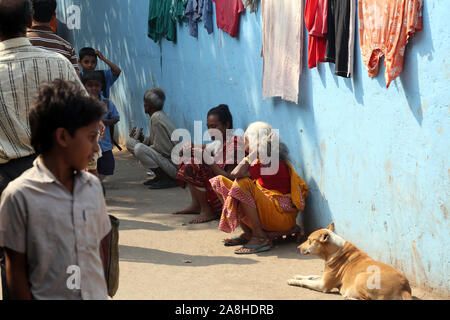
[
  {"x": 53, "y": 220},
  {"x": 256, "y": 200},
  {"x": 42, "y": 36},
  {"x": 154, "y": 151},
  {"x": 196, "y": 175},
  {"x": 93, "y": 82},
  {"x": 88, "y": 62}
]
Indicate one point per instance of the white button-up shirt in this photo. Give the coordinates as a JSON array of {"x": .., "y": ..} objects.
[
  {"x": 59, "y": 232},
  {"x": 22, "y": 69}
]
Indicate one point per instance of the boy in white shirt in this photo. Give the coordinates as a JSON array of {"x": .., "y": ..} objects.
[{"x": 53, "y": 220}]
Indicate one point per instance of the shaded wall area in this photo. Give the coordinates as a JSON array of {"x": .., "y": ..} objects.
[{"x": 375, "y": 159}]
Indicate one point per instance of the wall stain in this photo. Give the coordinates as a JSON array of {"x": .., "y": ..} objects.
[
  {"x": 444, "y": 211},
  {"x": 419, "y": 263}
]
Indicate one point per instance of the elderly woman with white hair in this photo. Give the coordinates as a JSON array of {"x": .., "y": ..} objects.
[
  {"x": 154, "y": 151},
  {"x": 266, "y": 194}
]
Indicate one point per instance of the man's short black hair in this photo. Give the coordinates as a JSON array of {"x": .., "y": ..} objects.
[
  {"x": 15, "y": 17},
  {"x": 60, "y": 104},
  {"x": 87, "y": 52},
  {"x": 43, "y": 10}
]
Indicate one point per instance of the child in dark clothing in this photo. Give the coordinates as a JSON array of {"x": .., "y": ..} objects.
[
  {"x": 88, "y": 62},
  {"x": 93, "y": 82}
]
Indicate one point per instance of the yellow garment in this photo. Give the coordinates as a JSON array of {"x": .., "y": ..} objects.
[
  {"x": 297, "y": 186},
  {"x": 271, "y": 214}
]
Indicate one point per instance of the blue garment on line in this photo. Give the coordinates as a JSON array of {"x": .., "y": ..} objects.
[{"x": 199, "y": 10}]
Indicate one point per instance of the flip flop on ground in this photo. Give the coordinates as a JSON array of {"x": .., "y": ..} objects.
[
  {"x": 237, "y": 241},
  {"x": 254, "y": 248}
]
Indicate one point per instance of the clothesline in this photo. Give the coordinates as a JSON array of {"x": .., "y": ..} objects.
[{"x": 385, "y": 26}]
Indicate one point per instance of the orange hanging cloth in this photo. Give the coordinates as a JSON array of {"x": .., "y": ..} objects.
[{"x": 385, "y": 27}]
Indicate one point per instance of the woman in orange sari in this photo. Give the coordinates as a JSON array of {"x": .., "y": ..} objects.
[{"x": 262, "y": 197}]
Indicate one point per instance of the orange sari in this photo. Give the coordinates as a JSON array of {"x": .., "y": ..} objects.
[{"x": 276, "y": 210}]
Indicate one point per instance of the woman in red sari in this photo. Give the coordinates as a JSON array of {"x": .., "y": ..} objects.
[{"x": 196, "y": 174}]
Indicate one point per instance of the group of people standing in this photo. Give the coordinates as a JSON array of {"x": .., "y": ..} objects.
[{"x": 54, "y": 224}]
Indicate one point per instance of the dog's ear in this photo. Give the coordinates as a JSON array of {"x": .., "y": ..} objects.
[
  {"x": 331, "y": 227},
  {"x": 324, "y": 237}
]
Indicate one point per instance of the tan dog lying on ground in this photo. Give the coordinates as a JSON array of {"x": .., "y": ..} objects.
[{"x": 353, "y": 272}]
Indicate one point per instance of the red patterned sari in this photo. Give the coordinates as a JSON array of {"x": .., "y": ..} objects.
[{"x": 199, "y": 175}]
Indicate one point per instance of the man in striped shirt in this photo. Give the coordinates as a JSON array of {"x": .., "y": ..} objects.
[
  {"x": 41, "y": 34},
  {"x": 22, "y": 69}
]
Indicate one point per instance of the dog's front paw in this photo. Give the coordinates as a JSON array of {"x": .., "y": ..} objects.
[{"x": 295, "y": 282}]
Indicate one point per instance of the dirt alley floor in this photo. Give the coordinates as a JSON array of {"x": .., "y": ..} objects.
[{"x": 163, "y": 257}]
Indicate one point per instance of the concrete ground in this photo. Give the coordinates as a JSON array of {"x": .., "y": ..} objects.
[{"x": 163, "y": 257}]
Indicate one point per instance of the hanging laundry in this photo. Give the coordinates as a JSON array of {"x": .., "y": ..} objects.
[
  {"x": 251, "y": 5},
  {"x": 177, "y": 10},
  {"x": 385, "y": 27},
  {"x": 282, "y": 32},
  {"x": 316, "y": 24},
  {"x": 199, "y": 10},
  {"x": 160, "y": 21},
  {"x": 227, "y": 15},
  {"x": 341, "y": 36}
]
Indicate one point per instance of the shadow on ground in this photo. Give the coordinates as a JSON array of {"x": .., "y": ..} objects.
[{"x": 145, "y": 255}]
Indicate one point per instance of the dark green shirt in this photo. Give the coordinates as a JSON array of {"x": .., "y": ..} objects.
[{"x": 162, "y": 18}]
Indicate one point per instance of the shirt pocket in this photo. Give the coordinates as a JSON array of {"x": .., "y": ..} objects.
[{"x": 91, "y": 227}]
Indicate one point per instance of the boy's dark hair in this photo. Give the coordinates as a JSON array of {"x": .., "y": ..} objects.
[
  {"x": 223, "y": 113},
  {"x": 95, "y": 75},
  {"x": 15, "y": 16},
  {"x": 43, "y": 10},
  {"x": 87, "y": 51},
  {"x": 60, "y": 104}
]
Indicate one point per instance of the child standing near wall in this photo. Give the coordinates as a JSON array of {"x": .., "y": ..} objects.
[
  {"x": 88, "y": 62},
  {"x": 53, "y": 220},
  {"x": 93, "y": 82}
]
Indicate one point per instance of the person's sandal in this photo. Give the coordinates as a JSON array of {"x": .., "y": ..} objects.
[
  {"x": 151, "y": 181},
  {"x": 254, "y": 248},
  {"x": 237, "y": 241},
  {"x": 163, "y": 184}
]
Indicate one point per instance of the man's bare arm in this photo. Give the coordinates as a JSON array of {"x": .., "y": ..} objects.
[{"x": 16, "y": 275}]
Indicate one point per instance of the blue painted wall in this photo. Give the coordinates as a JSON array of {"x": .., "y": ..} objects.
[{"x": 375, "y": 159}]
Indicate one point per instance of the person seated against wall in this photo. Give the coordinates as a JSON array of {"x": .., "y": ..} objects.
[
  {"x": 154, "y": 151},
  {"x": 257, "y": 200},
  {"x": 196, "y": 174}
]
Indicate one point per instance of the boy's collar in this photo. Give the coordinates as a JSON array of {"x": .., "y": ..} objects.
[{"x": 48, "y": 177}]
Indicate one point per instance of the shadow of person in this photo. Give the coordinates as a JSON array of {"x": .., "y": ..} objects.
[{"x": 154, "y": 256}]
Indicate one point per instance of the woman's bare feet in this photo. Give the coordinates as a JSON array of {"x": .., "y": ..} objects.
[
  {"x": 206, "y": 215},
  {"x": 192, "y": 209}
]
